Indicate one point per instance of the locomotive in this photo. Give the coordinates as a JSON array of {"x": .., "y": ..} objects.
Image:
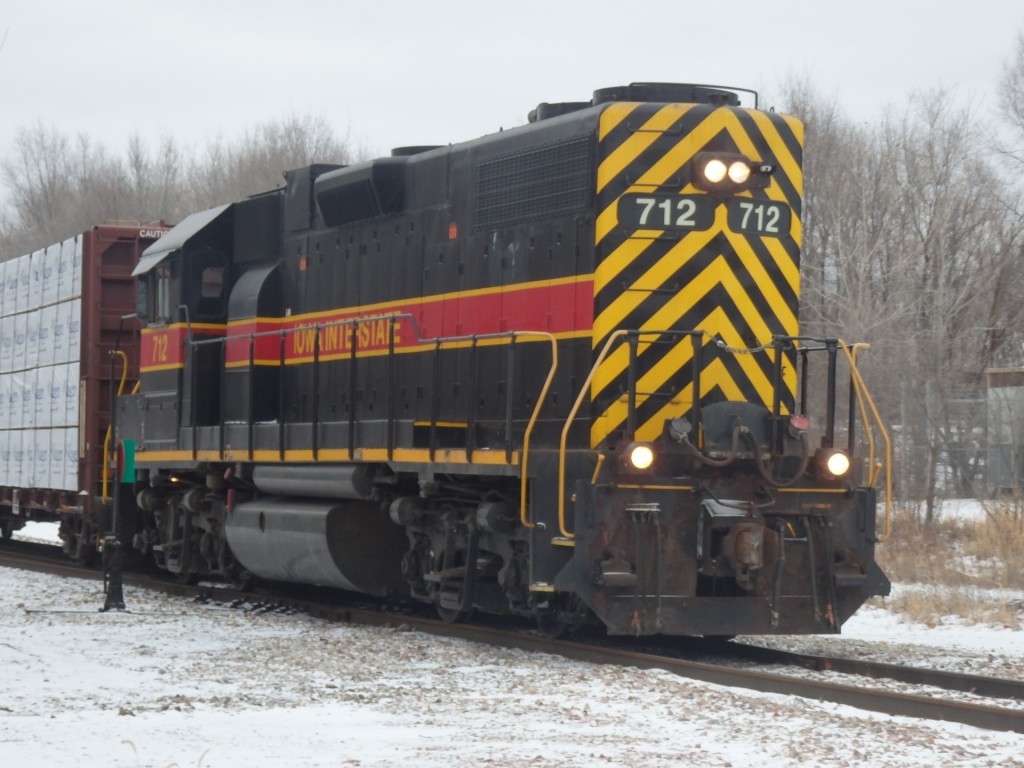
[{"x": 553, "y": 372}]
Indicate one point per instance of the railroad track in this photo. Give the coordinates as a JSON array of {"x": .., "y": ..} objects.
[
  {"x": 673, "y": 658},
  {"x": 990, "y": 687}
]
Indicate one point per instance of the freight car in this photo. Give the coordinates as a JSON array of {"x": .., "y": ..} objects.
[
  {"x": 60, "y": 314},
  {"x": 552, "y": 372}
]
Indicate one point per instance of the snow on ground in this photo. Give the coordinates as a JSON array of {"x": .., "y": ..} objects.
[{"x": 179, "y": 683}]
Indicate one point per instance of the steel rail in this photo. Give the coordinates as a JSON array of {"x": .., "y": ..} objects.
[{"x": 991, "y": 687}]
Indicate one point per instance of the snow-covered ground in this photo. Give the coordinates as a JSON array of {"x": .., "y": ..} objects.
[{"x": 177, "y": 683}]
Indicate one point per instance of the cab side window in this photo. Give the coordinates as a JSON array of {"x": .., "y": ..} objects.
[
  {"x": 163, "y": 304},
  {"x": 208, "y": 285}
]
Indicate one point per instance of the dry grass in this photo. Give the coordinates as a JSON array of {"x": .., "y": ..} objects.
[{"x": 957, "y": 567}]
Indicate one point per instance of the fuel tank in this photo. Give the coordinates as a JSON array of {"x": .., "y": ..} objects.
[{"x": 351, "y": 545}]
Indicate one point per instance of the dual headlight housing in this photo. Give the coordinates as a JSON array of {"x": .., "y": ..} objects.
[{"x": 728, "y": 172}]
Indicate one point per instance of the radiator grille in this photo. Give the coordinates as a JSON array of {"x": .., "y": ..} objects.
[{"x": 540, "y": 183}]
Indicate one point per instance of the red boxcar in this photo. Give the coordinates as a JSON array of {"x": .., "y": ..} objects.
[{"x": 67, "y": 338}]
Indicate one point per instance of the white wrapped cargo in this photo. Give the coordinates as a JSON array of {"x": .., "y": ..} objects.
[
  {"x": 11, "y": 287},
  {"x": 41, "y": 464},
  {"x": 17, "y": 459},
  {"x": 5, "y": 457},
  {"x": 65, "y": 270},
  {"x": 58, "y": 379},
  {"x": 6, "y": 344},
  {"x": 76, "y": 271},
  {"x": 32, "y": 338},
  {"x": 71, "y": 395},
  {"x": 14, "y": 401},
  {"x": 47, "y": 316},
  {"x": 20, "y": 340},
  {"x": 24, "y": 282},
  {"x": 51, "y": 264},
  {"x": 41, "y": 400},
  {"x": 75, "y": 331},
  {"x": 70, "y": 482},
  {"x": 35, "y": 284},
  {"x": 28, "y": 458},
  {"x": 58, "y": 439},
  {"x": 60, "y": 332},
  {"x": 5, "y": 394},
  {"x": 28, "y": 397}
]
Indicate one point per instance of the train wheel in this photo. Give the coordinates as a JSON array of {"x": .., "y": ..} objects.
[
  {"x": 451, "y": 615},
  {"x": 83, "y": 550},
  {"x": 241, "y": 579},
  {"x": 448, "y": 592},
  {"x": 563, "y": 616},
  {"x": 188, "y": 578},
  {"x": 6, "y": 529}
]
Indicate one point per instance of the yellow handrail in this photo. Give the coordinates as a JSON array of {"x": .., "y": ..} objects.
[
  {"x": 851, "y": 350},
  {"x": 568, "y": 423},
  {"x": 523, "y": 517},
  {"x": 863, "y": 395},
  {"x": 110, "y": 427}
]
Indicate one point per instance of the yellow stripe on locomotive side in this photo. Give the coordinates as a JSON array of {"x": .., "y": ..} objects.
[{"x": 306, "y": 456}]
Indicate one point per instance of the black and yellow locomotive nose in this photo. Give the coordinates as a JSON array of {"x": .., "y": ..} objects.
[{"x": 698, "y": 232}]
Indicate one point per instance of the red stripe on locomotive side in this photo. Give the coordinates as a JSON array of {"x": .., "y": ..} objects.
[
  {"x": 561, "y": 308},
  {"x": 164, "y": 347}
]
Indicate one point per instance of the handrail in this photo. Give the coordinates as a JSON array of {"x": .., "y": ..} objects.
[
  {"x": 523, "y": 517},
  {"x": 850, "y": 351},
  {"x": 568, "y": 423},
  {"x": 864, "y": 395},
  {"x": 104, "y": 495},
  {"x": 439, "y": 343},
  {"x": 584, "y": 390}
]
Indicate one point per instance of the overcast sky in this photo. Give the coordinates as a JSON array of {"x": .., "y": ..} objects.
[{"x": 399, "y": 72}]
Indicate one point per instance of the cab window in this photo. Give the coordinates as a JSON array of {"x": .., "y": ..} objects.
[
  {"x": 154, "y": 292},
  {"x": 208, "y": 284}
]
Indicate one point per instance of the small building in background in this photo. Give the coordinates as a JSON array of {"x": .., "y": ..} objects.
[{"x": 1004, "y": 395}]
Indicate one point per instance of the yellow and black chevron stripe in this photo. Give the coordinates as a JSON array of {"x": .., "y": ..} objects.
[{"x": 739, "y": 288}]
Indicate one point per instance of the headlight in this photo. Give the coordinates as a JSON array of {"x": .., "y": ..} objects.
[
  {"x": 833, "y": 464},
  {"x": 639, "y": 457},
  {"x": 714, "y": 171},
  {"x": 739, "y": 172}
]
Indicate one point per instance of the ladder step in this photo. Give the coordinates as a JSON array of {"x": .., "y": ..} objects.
[
  {"x": 449, "y": 573},
  {"x": 618, "y": 579}
]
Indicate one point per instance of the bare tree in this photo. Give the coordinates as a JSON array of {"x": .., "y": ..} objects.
[
  {"x": 38, "y": 177},
  {"x": 257, "y": 162},
  {"x": 1011, "y": 98},
  {"x": 60, "y": 186},
  {"x": 909, "y": 244}
]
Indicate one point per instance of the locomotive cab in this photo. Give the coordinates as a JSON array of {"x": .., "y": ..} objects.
[{"x": 182, "y": 289}]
